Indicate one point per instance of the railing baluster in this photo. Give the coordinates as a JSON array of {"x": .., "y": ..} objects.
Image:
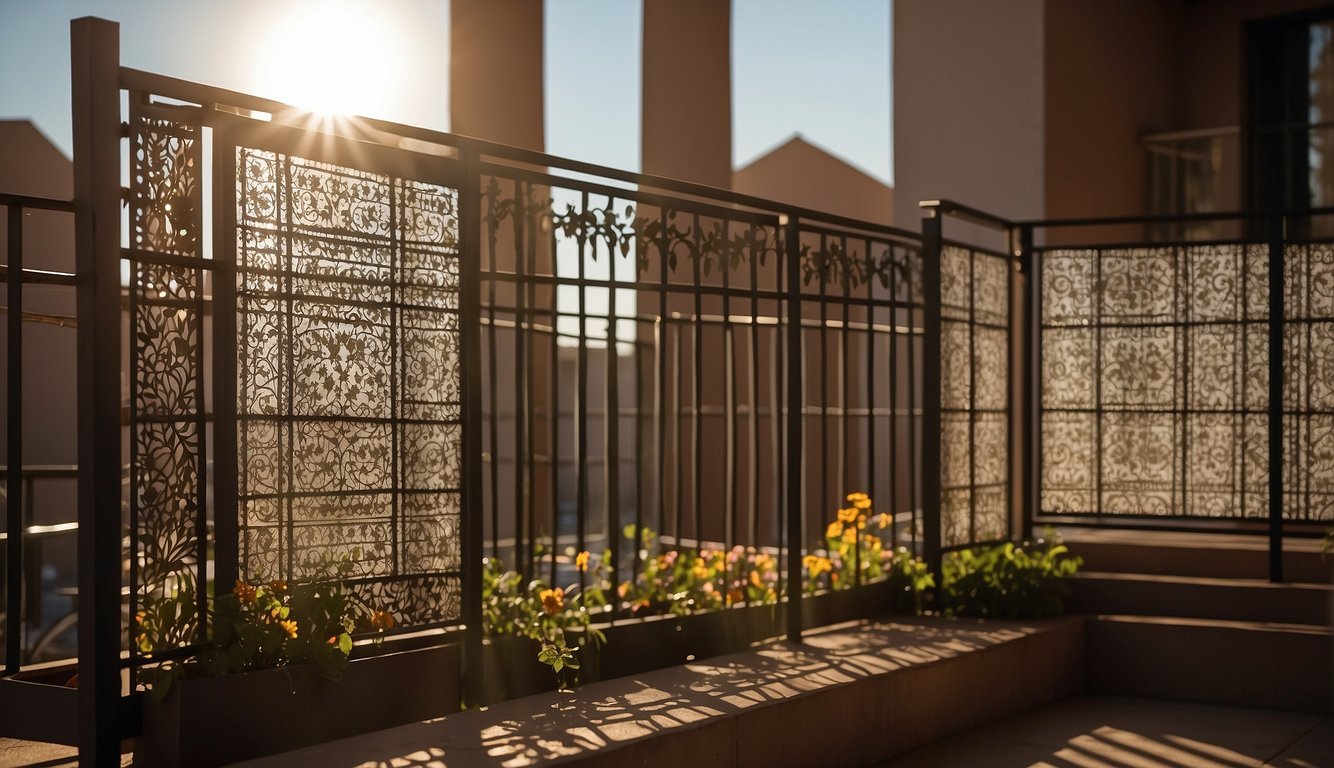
[
  {"x": 14, "y": 490},
  {"x": 793, "y": 500}
]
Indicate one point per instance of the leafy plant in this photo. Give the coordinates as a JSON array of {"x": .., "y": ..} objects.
[
  {"x": 257, "y": 625},
  {"x": 1009, "y": 581},
  {"x": 544, "y": 613},
  {"x": 910, "y": 578}
]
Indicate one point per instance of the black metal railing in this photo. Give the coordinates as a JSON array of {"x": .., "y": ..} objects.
[
  {"x": 412, "y": 352},
  {"x": 22, "y": 596}
]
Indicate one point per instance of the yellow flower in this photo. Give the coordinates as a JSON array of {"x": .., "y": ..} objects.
[
  {"x": 581, "y": 561},
  {"x": 817, "y": 565},
  {"x": 850, "y": 536},
  {"x": 847, "y": 515},
  {"x": 289, "y": 627},
  {"x": 244, "y": 592},
  {"x": 553, "y": 600},
  {"x": 885, "y": 520},
  {"x": 701, "y": 569},
  {"x": 755, "y": 579},
  {"x": 834, "y": 530}
]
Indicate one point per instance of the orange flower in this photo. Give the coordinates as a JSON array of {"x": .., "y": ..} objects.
[
  {"x": 244, "y": 592},
  {"x": 581, "y": 561},
  {"x": 553, "y": 600},
  {"x": 735, "y": 596},
  {"x": 280, "y": 585},
  {"x": 289, "y": 627},
  {"x": 382, "y": 620}
]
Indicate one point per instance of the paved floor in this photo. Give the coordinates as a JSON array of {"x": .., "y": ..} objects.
[
  {"x": 1085, "y": 732},
  {"x": 1109, "y": 732}
]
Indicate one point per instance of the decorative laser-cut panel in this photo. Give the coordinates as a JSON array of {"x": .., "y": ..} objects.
[
  {"x": 348, "y": 382},
  {"x": 975, "y": 374},
  {"x": 167, "y": 422},
  {"x": 1308, "y": 392},
  {"x": 1154, "y": 381}
]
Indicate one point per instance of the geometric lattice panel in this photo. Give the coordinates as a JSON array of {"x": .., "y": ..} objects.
[
  {"x": 1155, "y": 381},
  {"x": 975, "y": 301},
  {"x": 348, "y": 382}
]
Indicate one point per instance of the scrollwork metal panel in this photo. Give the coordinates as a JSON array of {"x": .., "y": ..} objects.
[
  {"x": 975, "y": 375},
  {"x": 1308, "y": 361},
  {"x": 348, "y": 382},
  {"x": 1154, "y": 381}
]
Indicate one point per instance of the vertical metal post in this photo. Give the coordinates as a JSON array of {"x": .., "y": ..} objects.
[
  {"x": 226, "y": 520},
  {"x": 95, "y": 69},
  {"x": 14, "y": 479},
  {"x": 931, "y": 424},
  {"x": 1030, "y": 330},
  {"x": 470, "y": 349},
  {"x": 1276, "y": 304},
  {"x": 795, "y": 370}
]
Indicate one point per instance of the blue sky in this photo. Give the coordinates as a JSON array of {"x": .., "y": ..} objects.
[{"x": 816, "y": 67}]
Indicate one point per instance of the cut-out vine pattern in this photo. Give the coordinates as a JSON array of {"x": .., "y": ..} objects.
[
  {"x": 165, "y": 478},
  {"x": 710, "y": 245}
]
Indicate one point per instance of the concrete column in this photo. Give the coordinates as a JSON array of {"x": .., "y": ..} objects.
[
  {"x": 687, "y": 92},
  {"x": 495, "y": 74}
]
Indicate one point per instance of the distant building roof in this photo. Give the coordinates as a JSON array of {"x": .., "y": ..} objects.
[
  {"x": 804, "y": 174},
  {"x": 30, "y": 164}
]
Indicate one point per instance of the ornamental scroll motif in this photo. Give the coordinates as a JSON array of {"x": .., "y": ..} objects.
[
  {"x": 974, "y": 361},
  {"x": 348, "y": 382},
  {"x": 1155, "y": 381},
  {"x": 167, "y": 422}
]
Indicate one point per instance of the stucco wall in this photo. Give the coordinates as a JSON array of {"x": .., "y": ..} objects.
[{"x": 968, "y": 120}]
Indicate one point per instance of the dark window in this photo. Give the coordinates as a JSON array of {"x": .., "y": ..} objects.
[{"x": 1291, "y": 97}]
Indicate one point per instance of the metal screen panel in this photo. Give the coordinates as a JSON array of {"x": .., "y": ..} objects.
[
  {"x": 1308, "y": 391},
  {"x": 974, "y": 396},
  {"x": 1155, "y": 381},
  {"x": 167, "y": 480},
  {"x": 348, "y": 412}
]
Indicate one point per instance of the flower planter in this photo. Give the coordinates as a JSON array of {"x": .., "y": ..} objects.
[{"x": 218, "y": 720}]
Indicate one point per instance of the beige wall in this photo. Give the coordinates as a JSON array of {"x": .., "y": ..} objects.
[
  {"x": 968, "y": 121},
  {"x": 805, "y": 175},
  {"x": 495, "y": 74},
  {"x": 687, "y": 90}
]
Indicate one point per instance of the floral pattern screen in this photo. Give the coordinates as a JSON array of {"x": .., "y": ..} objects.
[
  {"x": 348, "y": 431},
  {"x": 974, "y": 393},
  {"x": 1155, "y": 382}
]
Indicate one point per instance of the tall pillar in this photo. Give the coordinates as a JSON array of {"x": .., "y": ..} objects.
[
  {"x": 687, "y": 90},
  {"x": 495, "y": 73}
]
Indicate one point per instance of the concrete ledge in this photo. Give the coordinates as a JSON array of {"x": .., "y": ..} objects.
[
  {"x": 908, "y": 682},
  {"x": 1252, "y": 664}
]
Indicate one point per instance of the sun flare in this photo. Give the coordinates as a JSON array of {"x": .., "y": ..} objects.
[{"x": 332, "y": 58}]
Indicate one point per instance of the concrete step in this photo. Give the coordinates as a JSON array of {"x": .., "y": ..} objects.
[
  {"x": 1220, "y": 556},
  {"x": 1255, "y": 664},
  {"x": 1142, "y": 594}
]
